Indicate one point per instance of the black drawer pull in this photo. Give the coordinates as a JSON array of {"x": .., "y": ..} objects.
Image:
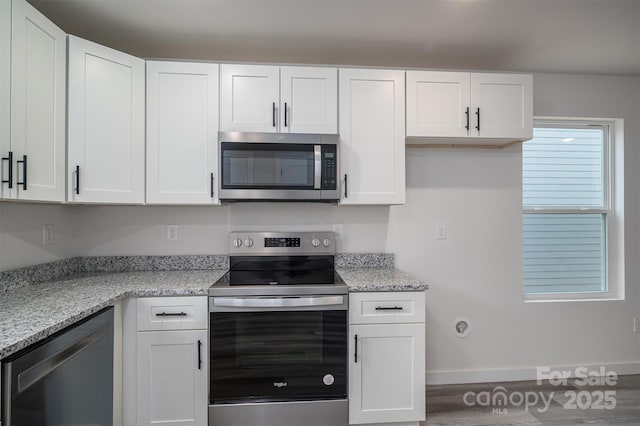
[
  {"x": 77, "y": 180},
  {"x": 467, "y": 114},
  {"x": 389, "y": 308},
  {"x": 355, "y": 353},
  {"x": 273, "y": 116},
  {"x": 24, "y": 172},
  {"x": 345, "y": 186},
  {"x": 9, "y": 180},
  {"x": 172, "y": 314}
]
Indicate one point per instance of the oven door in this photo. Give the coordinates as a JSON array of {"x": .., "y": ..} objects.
[{"x": 274, "y": 349}]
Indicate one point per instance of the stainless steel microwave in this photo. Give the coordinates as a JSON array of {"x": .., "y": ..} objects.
[{"x": 278, "y": 167}]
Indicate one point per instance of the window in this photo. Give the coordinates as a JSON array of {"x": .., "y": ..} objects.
[{"x": 569, "y": 214}]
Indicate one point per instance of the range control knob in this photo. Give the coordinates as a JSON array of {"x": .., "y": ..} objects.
[
  {"x": 326, "y": 242},
  {"x": 315, "y": 242},
  {"x": 237, "y": 242},
  {"x": 248, "y": 242}
]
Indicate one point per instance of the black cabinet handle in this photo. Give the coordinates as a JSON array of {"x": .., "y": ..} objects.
[
  {"x": 285, "y": 114},
  {"x": 467, "y": 113},
  {"x": 355, "y": 352},
  {"x": 24, "y": 172},
  {"x": 172, "y": 314},
  {"x": 478, "y": 114},
  {"x": 345, "y": 185},
  {"x": 9, "y": 179},
  {"x": 389, "y": 308},
  {"x": 77, "y": 180},
  {"x": 199, "y": 355},
  {"x": 212, "y": 185},
  {"x": 273, "y": 116}
]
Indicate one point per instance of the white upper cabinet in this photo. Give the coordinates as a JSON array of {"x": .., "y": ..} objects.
[
  {"x": 38, "y": 106},
  {"x": 308, "y": 100},
  {"x": 372, "y": 133},
  {"x": 469, "y": 108},
  {"x": 249, "y": 98},
  {"x": 182, "y": 133},
  {"x": 265, "y": 98},
  {"x": 5, "y": 100},
  {"x": 106, "y": 122},
  {"x": 438, "y": 103},
  {"x": 503, "y": 105}
]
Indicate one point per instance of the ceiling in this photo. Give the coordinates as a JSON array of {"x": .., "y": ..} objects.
[{"x": 574, "y": 36}]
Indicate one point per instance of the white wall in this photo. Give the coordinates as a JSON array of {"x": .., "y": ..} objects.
[
  {"x": 475, "y": 273},
  {"x": 21, "y": 234},
  {"x": 201, "y": 230}
]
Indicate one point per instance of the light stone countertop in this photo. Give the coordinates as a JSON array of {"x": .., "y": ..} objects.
[
  {"x": 33, "y": 312},
  {"x": 30, "y": 313},
  {"x": 380, "y": 279}
]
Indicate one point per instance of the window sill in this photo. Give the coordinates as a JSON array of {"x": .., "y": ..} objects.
[{"x": 572, "y": 298}]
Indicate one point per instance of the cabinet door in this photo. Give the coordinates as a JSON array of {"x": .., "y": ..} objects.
[
  {"x": 249, "y": 98},
  {"x": 308, "y": 100},
  {"x": 5, "y": 100},
  {"x": 182, "y": 133},
  {"x": 171, "y": 385},
  {"x": 379, "y": 393},
  {"x": 438, "y": 103},
  {"x": 106, "y": 125},
  {"x": 372, "y": 132},
  {"x": 38, "y": 104},
  {"x": 502, "y": 106}
]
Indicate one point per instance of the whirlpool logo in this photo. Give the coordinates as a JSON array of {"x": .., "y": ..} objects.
[{"x": 280, "y": 384}]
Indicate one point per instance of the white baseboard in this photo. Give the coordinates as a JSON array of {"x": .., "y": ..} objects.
[{"x": 449, "y": 377}]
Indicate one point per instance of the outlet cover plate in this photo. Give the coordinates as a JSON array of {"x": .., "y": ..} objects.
[
  {"x": 172, "y": 232},
  {"x": 47, "y": 234}
]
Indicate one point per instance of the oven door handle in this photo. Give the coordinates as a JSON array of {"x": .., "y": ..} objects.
[{"x": 277, "y": 302}]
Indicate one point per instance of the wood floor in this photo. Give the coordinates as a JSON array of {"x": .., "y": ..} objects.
[{"x": 555, "y": 405}]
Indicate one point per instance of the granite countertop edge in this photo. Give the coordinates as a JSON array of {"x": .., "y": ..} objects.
[{"x": 107, "y": 289}]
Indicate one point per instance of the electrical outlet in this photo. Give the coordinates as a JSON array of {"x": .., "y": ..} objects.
[
  {"x": 337, "y": 230},
  {"x": 441, "y": 231},
  {"x": 47, "y": 235},
  {"x": 172, "y": 232},
  {"x": 636, "y": 325}
]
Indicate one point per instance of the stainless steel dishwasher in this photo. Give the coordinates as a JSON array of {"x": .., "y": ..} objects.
[{"x": 66, "y": 379}]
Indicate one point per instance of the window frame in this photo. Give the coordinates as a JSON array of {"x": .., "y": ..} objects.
[{"x": 612, "y": 209}]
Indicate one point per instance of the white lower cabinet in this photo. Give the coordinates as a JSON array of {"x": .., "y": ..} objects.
[
  {"x": 172, "y": 377},
  {"x": 165, "y": 361},
  {"x": 386, "y": 360}
]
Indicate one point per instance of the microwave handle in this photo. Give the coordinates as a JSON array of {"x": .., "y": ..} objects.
[{"x": 317, "y": 166}]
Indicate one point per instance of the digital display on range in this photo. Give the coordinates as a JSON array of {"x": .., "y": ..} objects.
[{"x": 282, "y": 242}]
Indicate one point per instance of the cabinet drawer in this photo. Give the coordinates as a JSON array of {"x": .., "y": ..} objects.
[
  {"x": 172, "y": 313},
  {"x": 386, "y": 308}
]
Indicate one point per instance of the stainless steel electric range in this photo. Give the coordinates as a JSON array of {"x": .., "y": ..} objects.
[{"x": 278, "y": 333}]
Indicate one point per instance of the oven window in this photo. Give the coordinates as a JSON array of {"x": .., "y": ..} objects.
[
  {"x": 267, "y": 166},
  {"x": 278, "y": 356}
]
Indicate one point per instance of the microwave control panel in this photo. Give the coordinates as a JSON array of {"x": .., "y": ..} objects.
[{"x": 329, "y": 167}]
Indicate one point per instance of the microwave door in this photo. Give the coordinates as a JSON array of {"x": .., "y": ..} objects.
[
  {"x": 268, "y": 166},
  {"x": 277, "y": 167}
]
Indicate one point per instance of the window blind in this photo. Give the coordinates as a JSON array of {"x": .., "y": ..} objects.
[{"x": 564, "y": 252}]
